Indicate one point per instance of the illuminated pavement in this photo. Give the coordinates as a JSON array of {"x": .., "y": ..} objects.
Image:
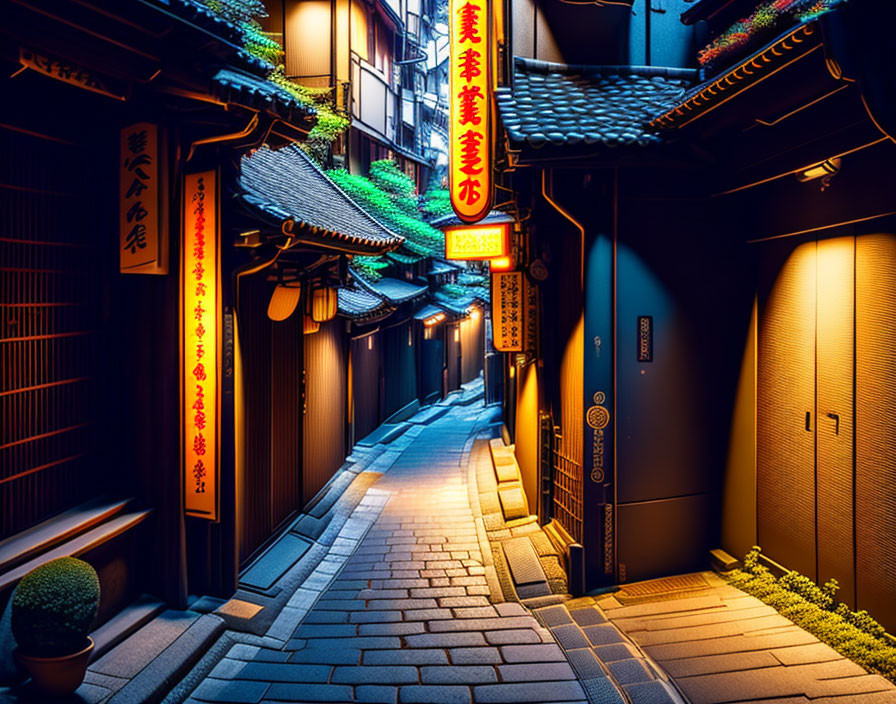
[{"x": 409, "y": 618}]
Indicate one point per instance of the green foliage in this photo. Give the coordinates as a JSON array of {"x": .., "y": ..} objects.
[
  {"x": 370, "y": 267},
  {"x": 854, "y": 634},
  {"x": 420, "y": 237},
  {"x": 53, "y": 607},
  {"x": 330, "y": 123},
  {"x": 437, "y": 202}
]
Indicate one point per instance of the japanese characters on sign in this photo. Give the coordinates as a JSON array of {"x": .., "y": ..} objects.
[
  {"x": 143, "y": 241},
  {"x": 200, "y": 316},
  {"x": 477, "y": 241},
  {"x": 67, "y": 73},
  {"x": 471, "y": 109},
  {"x": 508, "y": 316}
]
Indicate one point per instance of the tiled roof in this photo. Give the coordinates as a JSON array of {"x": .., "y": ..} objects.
[
  {"x": 355, "y": 303},
  {"x": 451, "y": 220},
  {"x": 441, "y": 267},
  {"x": 234, "y": 86},
  {"x": 448, "y": 298},
  {"x": 562, "y": 104},
  {"x": 427, "y": 311},
  {"x": 284, "y": 185},
  {"x": 393, "y": 290},
  {"x": 403, "y": 258}
]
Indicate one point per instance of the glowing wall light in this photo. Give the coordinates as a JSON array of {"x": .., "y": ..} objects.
[
  {"x": 472, "y": 242},
  {"x": 500, "y": 264},
  {"x": 324, "y": 303},
  {"x": 201, "y": 297}
]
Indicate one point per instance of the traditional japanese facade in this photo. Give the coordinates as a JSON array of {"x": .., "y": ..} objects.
[{"x": 710, "y": 240}]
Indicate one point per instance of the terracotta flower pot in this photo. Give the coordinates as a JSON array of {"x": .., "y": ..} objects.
[{"x": 58, "y": 676}]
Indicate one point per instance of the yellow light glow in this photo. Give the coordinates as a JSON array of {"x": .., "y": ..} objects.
[
  {"x": 324, "y": 304},
  {"x": 477, "y": 241},
  {"x": 500, "y": 264},
  {"x": 434, "y": 320},
  {"x": 201, "y": 312},
  {"x": 470, "y": 89},
  {"x": 475, "y": 315},
  {"x": 457, "y": 334}
]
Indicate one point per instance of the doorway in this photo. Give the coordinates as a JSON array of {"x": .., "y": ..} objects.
[{"x": 825, "y": 385}]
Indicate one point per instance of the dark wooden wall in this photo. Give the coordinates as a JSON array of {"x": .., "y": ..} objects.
[
  {"x": 400, "y": 368},
  {"x": 366, "y": 384},
  {"x": 323, "y": 449}
]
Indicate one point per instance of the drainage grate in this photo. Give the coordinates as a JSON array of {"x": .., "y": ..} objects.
[{"x": 657, "y": 589}]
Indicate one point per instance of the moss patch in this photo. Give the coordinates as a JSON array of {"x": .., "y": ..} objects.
[{"x": 856, "y": 635}]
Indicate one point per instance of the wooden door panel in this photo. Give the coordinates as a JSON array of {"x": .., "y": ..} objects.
[
  {"x": 876, "y": 426},
  {"x": 834, "y": 413},
  {"x": 785, "y": 393}
]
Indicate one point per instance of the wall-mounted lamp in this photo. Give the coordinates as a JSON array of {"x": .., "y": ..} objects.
[
  {"x": 826, "y": 170},
  {"x": 433, "y": 320},
  {"x": 324, "y": 304},
  {"x": 284, "y": 301}
]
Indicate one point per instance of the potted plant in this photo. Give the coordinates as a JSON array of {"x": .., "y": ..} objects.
[{"x": 53, "y": 608}]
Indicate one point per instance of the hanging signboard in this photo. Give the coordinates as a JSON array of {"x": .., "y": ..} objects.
[
  {"x": 199, "y": 319},
  {"x": 143, "y": 236},
  {"x": 74, "y": 75},
  {"x": 470, "y": 87},
  {"x": 471, "y": 242},
  {"x": 508, "y": 311}
]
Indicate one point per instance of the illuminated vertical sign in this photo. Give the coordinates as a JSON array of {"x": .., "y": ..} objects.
[
  {"x": 471, "y": 109},
  {"x": 508, "y": 317},
  {"x": 477, "y": 242},
  {"x": 199, "y": 319},
  {"x": 143, "y": 241}
]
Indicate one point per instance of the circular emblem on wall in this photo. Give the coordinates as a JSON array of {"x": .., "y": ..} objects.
[
  {"x": 598, "y": 417},
  {"x": 599, "y": 398}
]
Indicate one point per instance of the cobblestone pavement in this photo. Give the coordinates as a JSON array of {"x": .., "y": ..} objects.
[{"x": 409, "y": 618}]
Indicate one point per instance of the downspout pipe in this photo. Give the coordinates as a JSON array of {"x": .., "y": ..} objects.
[{"x": 547, "y": 192}]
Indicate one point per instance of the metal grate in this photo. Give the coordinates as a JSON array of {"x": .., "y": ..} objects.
[{"x": 567, "y": 490}]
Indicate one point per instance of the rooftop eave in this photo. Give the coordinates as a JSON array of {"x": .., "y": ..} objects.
[
  {"x": 780, "y": 53},
  {"x": 280, "y": 223}
]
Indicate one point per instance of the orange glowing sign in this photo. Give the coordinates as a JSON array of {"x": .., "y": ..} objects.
[
  {"x": 470, "y": 157},
  {"x": 201, "y": 354},
  {"x": 477, "y": 241}
]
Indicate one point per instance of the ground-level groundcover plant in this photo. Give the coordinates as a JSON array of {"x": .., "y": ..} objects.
[{"x": 855, "y": 635}]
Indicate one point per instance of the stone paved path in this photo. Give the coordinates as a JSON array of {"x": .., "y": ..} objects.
[
  {"x": 722, "y": 645},
  {"x": 409, "y": 618}
]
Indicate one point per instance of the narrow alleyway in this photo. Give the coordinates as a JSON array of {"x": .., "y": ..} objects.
[{"x": 409, "y": 618}]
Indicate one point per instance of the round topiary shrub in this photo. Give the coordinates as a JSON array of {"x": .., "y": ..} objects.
[{"x": 54, "y": 606}]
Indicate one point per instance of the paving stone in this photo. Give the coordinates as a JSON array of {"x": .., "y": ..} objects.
[
  {"x": 423, "y": 694},
  {"x": 512, "y": 637},
  {"x": 374, "y": 616},
  {"x": 475, "y": 656},
  {"x": 402, "y": 604},
  {"x": 585, "y": 663},
  {"x": 294, "y": 692},
  {"x": 362, "y": 642},
  {"x": 447, "y": 640},
  {"x": 326, "y": 630},
  {"x": 554, "y": 615},
  {"x": 405, "y": 657},
  {"x": 237, "y": 692},
  {"x": 376, "y": 694},
  {"x": 327, "y": 656},
  {"x": 587, "y": 617},
  {"x": 484, "y": 624},
  {"x": 532, "y": 653},
  {"x": 616, "y": 651},
  {"x": 603, "y": 690},
  {"x": 427, "y": 614},
  {"x": 458, "y": 674},
  {"x": 475, "y": 612},
  {"x": 630, "y": 671},
  {"x": 466, "y": 601},
  {"x": 603, "y": 634},
  {"x": 399, "y": 674},
  {"x": 318, "y": 617},
  {"x": 570, "y": 636},
  {"x": 655, "y": 692},
  {"x": 391, "y": 629},
  {"x": 284, "y": 672},
  {"x": 540, "y": 692},
  {"x": 536, "y": 672},
  {"x": 437, "y": 592},
  {"x": 727, "y": 662}
]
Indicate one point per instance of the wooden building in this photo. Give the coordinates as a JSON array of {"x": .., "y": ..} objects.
[{"x": 713, "y": 362}]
